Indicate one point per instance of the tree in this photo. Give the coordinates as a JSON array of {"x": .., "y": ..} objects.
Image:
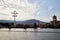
[{"x": 35, "y": 25}]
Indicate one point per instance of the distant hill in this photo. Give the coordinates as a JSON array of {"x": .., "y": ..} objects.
[
  {"x": 6, "y": 21},
  {"x": 31, "y": 21}
]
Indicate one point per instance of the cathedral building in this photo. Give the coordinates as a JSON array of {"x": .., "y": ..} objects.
[{"x": 55, "y": 22}]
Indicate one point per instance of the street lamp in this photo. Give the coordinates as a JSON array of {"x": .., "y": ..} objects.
[{"x": 14, "y": 15}]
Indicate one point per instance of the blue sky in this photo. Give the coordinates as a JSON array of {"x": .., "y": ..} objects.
[
  {"x": 30, "y": 9},
  {"x": 47, "y": 8}
]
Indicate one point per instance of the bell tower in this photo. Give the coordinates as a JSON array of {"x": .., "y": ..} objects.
[{"x": 54, "y": 20}]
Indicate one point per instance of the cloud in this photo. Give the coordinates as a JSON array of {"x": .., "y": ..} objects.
[
  {"x": 3, "y": 14},
  {"x": 50, "y": 8},
  {"x": 23, "y": 7}
]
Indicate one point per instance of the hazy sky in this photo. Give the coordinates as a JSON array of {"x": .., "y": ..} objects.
[{"x": 30, "y": 9}]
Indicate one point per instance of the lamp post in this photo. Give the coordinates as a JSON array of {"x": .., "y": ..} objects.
[{"x": 14, "y": 15}]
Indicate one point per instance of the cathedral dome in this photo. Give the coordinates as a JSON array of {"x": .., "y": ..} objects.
[{"x": 54, "y": 16}]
